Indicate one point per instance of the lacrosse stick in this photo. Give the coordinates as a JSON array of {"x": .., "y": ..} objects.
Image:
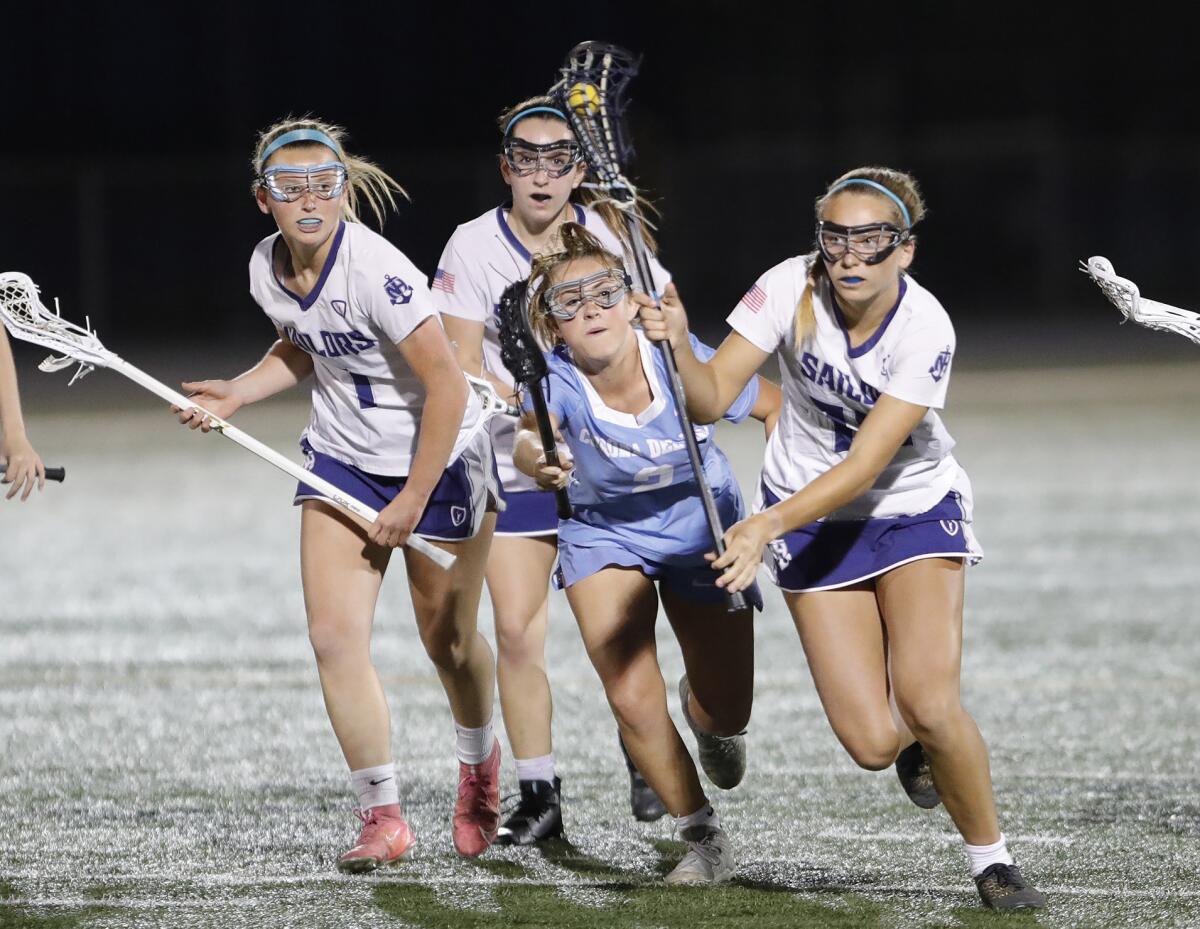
[
  {"x": 522, "y": 355},
  {"x": 52, "y": 474},
  {"x": 592, "y": 91},
  {"x": 27, "y": 319},
  {"x": 1125, "y": 296}
]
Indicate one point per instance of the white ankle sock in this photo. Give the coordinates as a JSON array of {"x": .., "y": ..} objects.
[
  {"x": 705, "y": 816},
  {"x": 375, "y": 786},
  {"x": 536, "y": 769},
  {"x": 982, "y": 857},
  {"x": 474, "y": 745}
]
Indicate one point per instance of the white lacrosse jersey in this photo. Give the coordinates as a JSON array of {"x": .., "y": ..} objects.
[
  {"x": 481, "y": 259},
  {"x": 366, "y": 401},
  {"x": 829, "y": 387}
]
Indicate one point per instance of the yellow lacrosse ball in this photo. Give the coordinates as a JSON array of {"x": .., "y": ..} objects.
[{"x": 584, "y": 99}]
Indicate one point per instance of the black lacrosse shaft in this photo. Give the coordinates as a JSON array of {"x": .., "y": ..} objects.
[
  {"x": 549, "y": 446},
  {"x": 735, "y": 601},
  {"x": 52, "y": 474}
]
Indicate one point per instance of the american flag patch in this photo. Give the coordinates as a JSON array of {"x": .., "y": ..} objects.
[
  {"x": 755, "y": 298},
  {"x": 443, "y": 281}
]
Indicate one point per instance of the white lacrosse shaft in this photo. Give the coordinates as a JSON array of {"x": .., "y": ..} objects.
[{"x": 441, "y": 557}]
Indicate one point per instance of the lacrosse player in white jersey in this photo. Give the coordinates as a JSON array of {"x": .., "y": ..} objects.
[
  {"x": 394, "y": 424},
  {"x": 23, "y": 467},
  {"x": 638, "y": 534},
  {"x": 540, "y": 161},
  {"x": 863, "y": 510}
]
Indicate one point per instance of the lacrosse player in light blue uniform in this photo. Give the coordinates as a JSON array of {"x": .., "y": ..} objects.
[{"x": 638, "y": 520}]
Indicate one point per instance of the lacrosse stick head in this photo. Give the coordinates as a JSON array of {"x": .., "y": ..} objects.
[
  {"x": 27, "y": 319},
  {"x": 1123, "y": 294},
  {"x": 1126, "y": 297},
  {"x": 593, "y": 93},
  {"x": 519, "y": 347}
]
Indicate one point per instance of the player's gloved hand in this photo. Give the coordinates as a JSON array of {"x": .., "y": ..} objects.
[
  {"x": 549, "y": 477},
  {"x": 221, "y": 398},
  {"x": 744, "y": 543},
  {"x": 25, "y": 468},
  {"x": 397, "y": 520},
  {"x": 665, "y": 321}
]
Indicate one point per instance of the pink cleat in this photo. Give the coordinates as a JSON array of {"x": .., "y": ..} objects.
[
  {"x": 477, "y": 812},
  {"x": 385, "y": 840}
]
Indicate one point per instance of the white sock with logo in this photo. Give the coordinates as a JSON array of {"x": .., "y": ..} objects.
[
  {"x": 536, "y": 769},
  {"x": 983, "y": 857},
  {"x": 705, "y": 816},
  {"x": 376, "y": 786},
  {"x": 474, "y": 745}
]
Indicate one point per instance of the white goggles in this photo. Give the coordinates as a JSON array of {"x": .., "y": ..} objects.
[
  {"x": 604, "y": 288},
  {"x": 288, "y": 183}
]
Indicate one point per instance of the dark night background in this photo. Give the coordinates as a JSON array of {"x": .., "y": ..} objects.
[{"x": 1041, "y": 134}]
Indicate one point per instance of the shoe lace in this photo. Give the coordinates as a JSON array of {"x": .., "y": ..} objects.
[
  {"x": 1005, "y": 876},
  {"x": 704, "y": 848}
]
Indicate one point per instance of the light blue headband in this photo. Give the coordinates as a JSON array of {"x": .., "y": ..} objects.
[
  {"x": 883, "y": 190},
  {"x": 529, "y": 112},
  {"x": 300, "y": 135}
]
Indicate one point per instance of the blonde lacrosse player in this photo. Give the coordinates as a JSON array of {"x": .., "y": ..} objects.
[
  {"x": 394, "y": 424},
  {"x": 540, "y": 162},
  {"x": 863, "y": 510},
  {"x": 23, "y": 468}
]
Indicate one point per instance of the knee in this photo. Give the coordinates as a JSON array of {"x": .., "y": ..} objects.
[
  {"x": 446, "y": 646},
  {"x": 518, "y": 640},
  {"x": 333, "y": 645},
  {"x": 635, "y": 701},
  {"x": 928, "y": 715},
  {"x": 874, "y": 751}
]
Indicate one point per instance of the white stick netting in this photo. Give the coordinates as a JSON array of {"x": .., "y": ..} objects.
[{"x": 1126, "y": 297}]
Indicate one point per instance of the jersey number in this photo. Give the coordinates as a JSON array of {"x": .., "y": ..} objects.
[
  {"x": 845, "y": 424},
  {"x": 362, "y": 387},
  {"x": 653, "y": 477}
]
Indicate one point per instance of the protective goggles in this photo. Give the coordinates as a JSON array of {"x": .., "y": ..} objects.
[
  {"x": 288, "y": 183},
  {"x": 604, "y": 288},
  {"x": 555, "y": 158},
  {"x": 871, "y": 243}
]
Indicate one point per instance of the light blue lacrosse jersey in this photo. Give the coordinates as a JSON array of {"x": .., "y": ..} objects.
[{"x": 632, "y": 484}]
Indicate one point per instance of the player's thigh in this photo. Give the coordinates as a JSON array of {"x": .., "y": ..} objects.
[
  {"x": 718, "y": 651},
  {"x": 921, "y": 604},
  {"x": 844, "y": 642},
  {"x": 518, "y": 579},
  {"x": 615, "y": 609},
  {"x": 341, "y": 571},
  {"x": 450, "y": 596}
]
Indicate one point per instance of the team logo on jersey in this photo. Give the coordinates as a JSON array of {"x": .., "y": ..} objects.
[
  {"x": 941, "y": 364},
  {"x": 458, "y": 515},
  {"x": 341, "y": 307},
  {"x": 398, "y": 291},
  {"x": 949, "y": 526}
]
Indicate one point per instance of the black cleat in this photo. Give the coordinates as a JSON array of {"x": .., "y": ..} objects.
[
  {"x": 643, "y": 801},
  {"x": 912, "y": 767},
  {"x": 1003, "y": 888},
  {"x": 537, "y": 817}
]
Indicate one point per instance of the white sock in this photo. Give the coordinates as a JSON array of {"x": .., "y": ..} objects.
[
  {"x": 705, "y": 816},
  {"x": 474, "y": 745},
  {"x": 375, "y": 786},
  {"x": 536, "y": 769},
  {"x": 983, "y": 857}
]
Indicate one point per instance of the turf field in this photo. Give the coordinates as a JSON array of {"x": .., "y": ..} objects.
[{"x": 165, "y": 759}]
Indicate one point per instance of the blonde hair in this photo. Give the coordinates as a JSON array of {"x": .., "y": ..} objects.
[
  {"x": 587, "y": 196},
  {"x": 903, "y": 185},
  {"x": 577, "y": 244},
  {"x": 364, "y": 179}
]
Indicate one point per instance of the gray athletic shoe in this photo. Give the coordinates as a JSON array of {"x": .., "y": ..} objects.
[
  {"x": 709, "y": 859},
  {"x": 723, "y": 757},
  {"x": 916, "y": 777},
  {"x": 1002, "y": 887}
]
